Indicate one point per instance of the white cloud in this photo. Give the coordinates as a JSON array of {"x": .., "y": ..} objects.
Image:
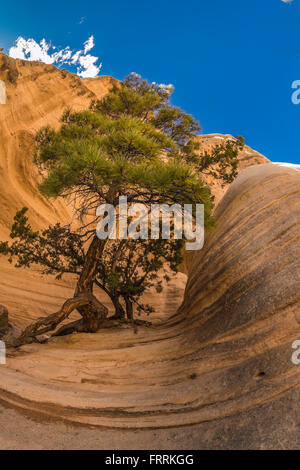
[
  {"x": 287, "y": 1},
  {"x": 85, "y": 63},
  {"x": 31, "y": 50},
  {"x": 88, "y": 67}
]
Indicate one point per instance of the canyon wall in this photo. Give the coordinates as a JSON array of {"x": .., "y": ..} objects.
[{"x": 218, "y": 356}]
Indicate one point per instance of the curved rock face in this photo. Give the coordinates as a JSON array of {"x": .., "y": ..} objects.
[
  {"x": 225, "y": 353},
  {"x": 242, "y": 298},
  {"x": 219, "y": 354},
  {"x": 247, "y": 157}
]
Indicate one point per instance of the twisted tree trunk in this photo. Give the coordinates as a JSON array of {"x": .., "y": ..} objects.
[
  {"x": 92, "y": 311},
  {"x": 119, "y": 310},
  {"x": 45, "y": 324},
  {"x": 129, "y": 309}
]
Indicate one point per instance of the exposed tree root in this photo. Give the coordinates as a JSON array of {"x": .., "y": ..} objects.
[
  {"x": 94, "y": 313},
  {"x": 77, "y": 326}
]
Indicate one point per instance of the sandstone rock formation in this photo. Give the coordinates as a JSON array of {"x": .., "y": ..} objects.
[
  {"x": 36, "y": 95},
  {"x": 3, "y": 320},
  {"x": 247, "y": 157},
  {"x": 220, "y": 361}
]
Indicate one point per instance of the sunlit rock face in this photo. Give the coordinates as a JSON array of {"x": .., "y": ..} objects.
[
  {"x": 3, "y": 320},
  {"x": 36, "y": 95},
  {"x": 225, "y": 352},
  {"x": 247, "y": 157}
]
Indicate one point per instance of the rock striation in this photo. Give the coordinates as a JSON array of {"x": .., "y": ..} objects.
[
  {"x": 224, "y": 353},
  {"x": 218, "y": 356}
]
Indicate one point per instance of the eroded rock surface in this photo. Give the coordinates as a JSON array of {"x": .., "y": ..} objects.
[
  {"x": 220, "y": 363},
  {"x": 36, "y": 95},
  {"x": 247, "y": 158}
]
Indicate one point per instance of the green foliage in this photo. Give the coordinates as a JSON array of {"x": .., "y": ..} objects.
[
  {"x": 132, "y": 142},
  {"x": 126, "y": 269},
  {"x": 222, "y": 162},
  {"x": 129, "y": 267},
  {"x": 9, "y": 65}
]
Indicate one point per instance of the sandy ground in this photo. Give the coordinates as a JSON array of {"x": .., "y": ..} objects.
[{"x": 23, "y": 431}]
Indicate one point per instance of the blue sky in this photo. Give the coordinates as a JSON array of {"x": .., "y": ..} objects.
[{"x": 232, "y": 62}]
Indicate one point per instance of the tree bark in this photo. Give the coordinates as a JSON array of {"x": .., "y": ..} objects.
[
  {"x": 92, "y": 311},
  {"x": 45, "y": 324},
  {"x": 87, "y": 276},
  {"x": 92, "y": 314}
]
